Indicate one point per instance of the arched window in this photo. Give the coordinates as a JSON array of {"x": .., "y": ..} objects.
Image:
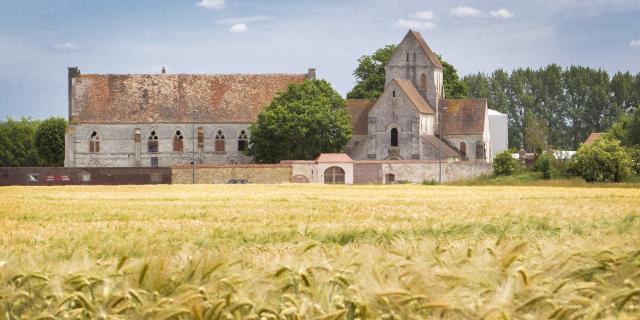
[
  {"x": 480, "y": 150},
  {"x": 334, "y": 175},
  {"x": 393, "y": 93},
  {"x": 394, "y": 137},
  {"x": 152, "y": 142},
  {"x": 242, "y": 141},
  {"x": 178, "y": 143},
  {"x": 407, "y": 56},
  {"x": 94, "y": 142},
  {"x": 201, "y": 138},
  {"x": 463, "y": 149},
  {"x": 423, "y": 82},
  {"x": 219, "y": 141}
]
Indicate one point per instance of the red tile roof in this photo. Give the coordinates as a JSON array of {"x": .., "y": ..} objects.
[
  {"x": 236, "y": 98},
  {"x": 414, "y": 96},
  {"x": 464, "y": 116},
  {"x": 333, "y": 157},
  {"x": 593, "y": 136},
  {"x": 359, "y": 109},
  {"x": 440, "y": 145}
]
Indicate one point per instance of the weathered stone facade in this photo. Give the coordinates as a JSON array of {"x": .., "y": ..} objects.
[
  {"x": 412, "y": 120},
  {"x": 254, "y": 173}
]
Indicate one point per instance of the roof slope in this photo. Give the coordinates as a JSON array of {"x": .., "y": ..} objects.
[
  {"x": 333, "y": 157},
  {"x": 464, "y": 116},
  {"x": 236, "y": 98},
  {"x": 425, "y": 48},
  {"x": 593, "y": 136},
  {"x": 359, "y": 109},
  {"x": 414, "y": 96},
  {"x": 440, "y": 145}
]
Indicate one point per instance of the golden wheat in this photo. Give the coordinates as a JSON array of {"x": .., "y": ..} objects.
[{"x": 319, "y": 252}]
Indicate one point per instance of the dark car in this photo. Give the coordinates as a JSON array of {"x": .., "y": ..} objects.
[{"x": 237, "y": 181}]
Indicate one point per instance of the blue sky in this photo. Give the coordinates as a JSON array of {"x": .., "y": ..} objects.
[{"x": 40, "y": 39}]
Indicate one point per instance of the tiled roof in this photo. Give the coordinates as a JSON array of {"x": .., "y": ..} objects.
[
  {"x": 414, "y": 96},
  {"x": 333, "y": 157},
  {"x": 423, "y": 44},
  {"x": 440, "y": 145},
  {"x": 236, "y": 98},
  {"x": 464, "y": 116},
  {"x": 359, "y": 109},
  {"x": 594, "y": 136}
]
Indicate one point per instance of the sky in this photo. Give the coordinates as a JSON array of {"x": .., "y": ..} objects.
[{"x": 39, "y": 39}]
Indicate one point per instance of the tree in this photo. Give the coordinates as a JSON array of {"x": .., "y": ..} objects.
[
  {"x": 49, "y": 141},
  {"x": 16, "y": 143},
  {"x": 300, "y": 123},
  {"x": 454, "y": 88},
  {"x": 504, "y": 164},
  {"x": 627, "y": 129},
  {"x": 536, "y": 133},
  {"x": 604, "y": 160},
  {"x": 370, "y": 74}
]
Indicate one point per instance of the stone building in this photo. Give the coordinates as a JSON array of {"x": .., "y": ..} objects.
[
  {"x": 159, "y": 120},
  {"x": 413, "y": 120},
  {"x": 162, "y": 120}
]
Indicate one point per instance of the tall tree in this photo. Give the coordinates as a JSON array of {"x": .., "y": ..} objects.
[
  {"x": 370, "y": 74},
  {"x": 300, "y": 123},
  {"x": 49, "y": 141},
  {"x": 17, "y": 147},
  {"x": 536, "y": 133},
  {"x": 453, "y": 86}
]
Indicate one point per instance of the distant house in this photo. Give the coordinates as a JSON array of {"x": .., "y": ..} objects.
[{"x": 593, "y": 136}]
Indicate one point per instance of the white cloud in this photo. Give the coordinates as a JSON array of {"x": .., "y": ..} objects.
[
  {"x": 466, "y": 12},
  {"x": 635, "y": 43},
  {"x": 211, "y": 4},
  {"x": 245, "y": 19},
  {"x": 238, "y": 28},
  {"x": 67, "y": 46},
  {"x": 415, "y": 24},
  {"x": 502, "y": 13},
  {"x": 424, "y": 15}
]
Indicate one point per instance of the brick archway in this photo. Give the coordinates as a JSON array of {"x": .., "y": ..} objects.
[
  {"x": 299, "y": 178},
  {"x": 334, "y": 175}
]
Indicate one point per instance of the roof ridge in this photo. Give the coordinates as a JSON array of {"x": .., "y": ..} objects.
[{"x": 425, "y": 47}]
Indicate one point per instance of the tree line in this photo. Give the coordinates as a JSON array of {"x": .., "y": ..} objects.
[
  {"x": 554, "y": 106},
  {"x": 31, "y": 143}
]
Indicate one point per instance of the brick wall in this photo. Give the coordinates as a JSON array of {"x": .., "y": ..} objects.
[
  {"x": 367, "y": 173},
  {"x": 74, "y": 176},
  {"x": 254, "y": 173}
]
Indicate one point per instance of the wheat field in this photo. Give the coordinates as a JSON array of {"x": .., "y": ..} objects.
[{"x": 319, "y": 252}]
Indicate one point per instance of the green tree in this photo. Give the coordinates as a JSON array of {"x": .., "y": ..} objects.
[
  {"x": 454, "y": 88},
  {"x": 49, "y": 141},
  {"x": 17, "y": 143},
  {"x": 627, "y": 129},
  {"x": 370, "y": 74},
  {"x": 504, "y": 164},
  {"x": 536, "y": 133},
  {"x": 300, "y": 123},
  {"x": 604, "y": 160}
]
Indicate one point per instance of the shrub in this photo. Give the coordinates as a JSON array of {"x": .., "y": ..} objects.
[
  {"x": 603, "y": 160},
  {"x": 430, "y": 182},
  {"x": 546, "y": 163},
  {"x": 634, "y": 153},
  {"x": 504, "y": 164}
]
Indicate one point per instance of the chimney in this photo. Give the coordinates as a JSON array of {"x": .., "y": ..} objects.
[
  {"x": 73, "y": 72},
  {"x": 164, "y": 70},
  {"x": 311, "y": 74}
]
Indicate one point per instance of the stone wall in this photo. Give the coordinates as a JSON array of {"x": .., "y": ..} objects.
[
  {"x": 254, "y": 173},
  {"x": 118, "y": 147},
  {"x": 367, "y": 173},
  {"x": 46, "y": 176}
]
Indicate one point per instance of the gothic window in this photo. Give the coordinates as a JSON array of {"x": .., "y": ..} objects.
[
  {"x": 242, "y": 141},
  {"x": 136, "y": 135},
  {"x": 200, "y": 138},
  {"x": 94, "y": 142},
  {"x": 480, "y": 150},
  {"x": 334, "y": 175},
  {"x": 423, "y": 82},
  {"x": 152, "y": 143},
  {"x": 394, "y": 137},
  {"x": 219, "y": 141},
  {"x": 178, "y": 142},
  {"x": 463, "y": 149}
]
